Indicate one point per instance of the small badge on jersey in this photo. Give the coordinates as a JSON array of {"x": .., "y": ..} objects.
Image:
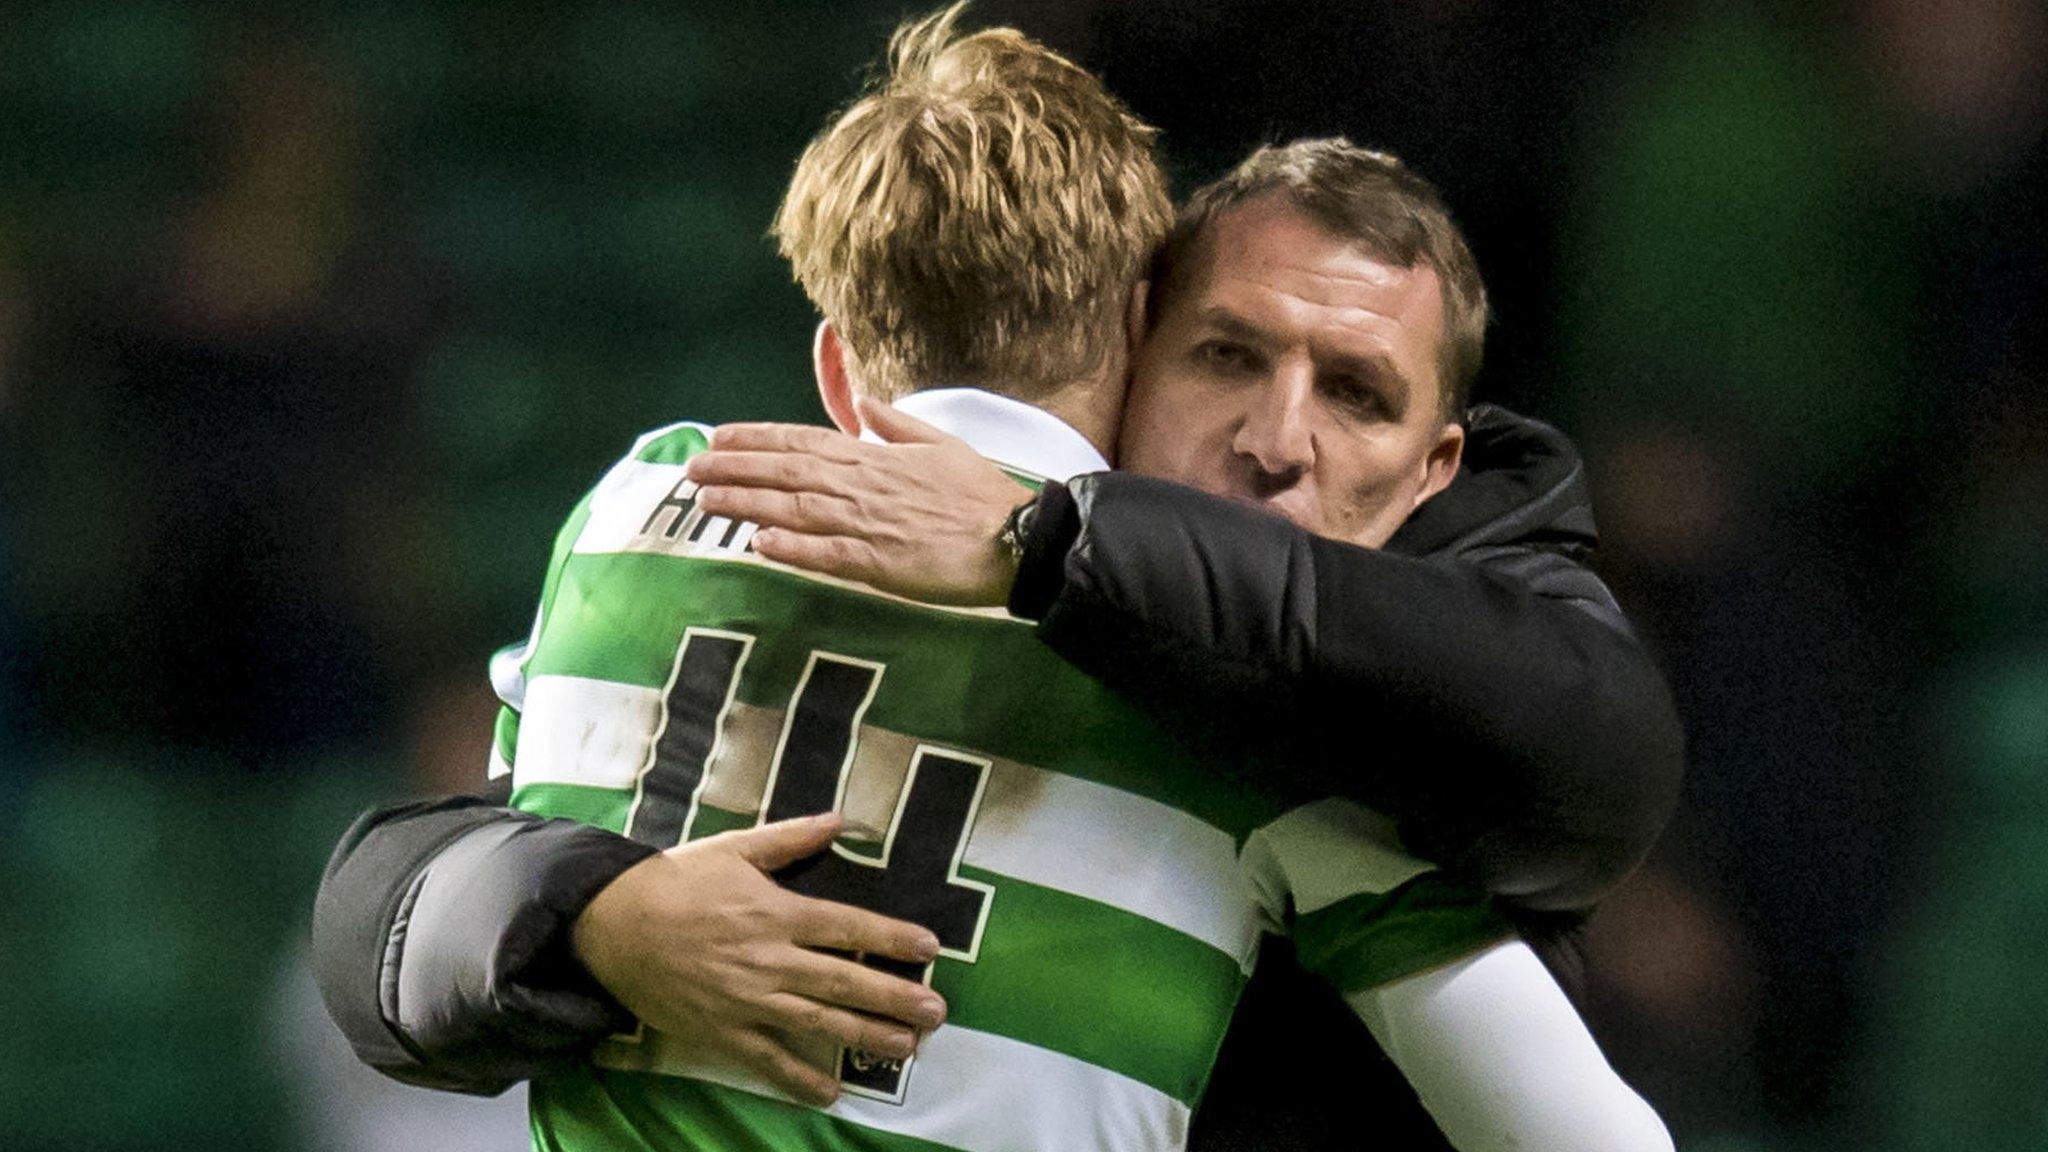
[{"x": 876, "y": 1077}]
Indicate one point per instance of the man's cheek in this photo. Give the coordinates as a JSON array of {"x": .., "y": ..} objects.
[
  {"x": 1158, "y": 447},
  {"x": 1160, "y": 465}
]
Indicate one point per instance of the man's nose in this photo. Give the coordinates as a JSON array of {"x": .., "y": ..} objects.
[{"x": 1275, "y": 433}]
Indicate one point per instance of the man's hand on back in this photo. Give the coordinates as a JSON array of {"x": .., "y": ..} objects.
[
  {"x": 917, "y": 516},
  {"x": 701, "y": 944}
]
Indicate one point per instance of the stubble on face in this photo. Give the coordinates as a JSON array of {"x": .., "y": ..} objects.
[{"x": 1288, "y": 369}]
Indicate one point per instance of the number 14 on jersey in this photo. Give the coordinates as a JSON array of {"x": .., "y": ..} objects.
[{"x": 915, "y": 875}]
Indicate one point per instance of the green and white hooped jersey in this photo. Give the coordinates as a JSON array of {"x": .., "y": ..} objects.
[{"x": 1098, "y": 894}]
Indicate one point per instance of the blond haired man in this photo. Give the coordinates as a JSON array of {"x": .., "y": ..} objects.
[{"x": 976, "y": 222}]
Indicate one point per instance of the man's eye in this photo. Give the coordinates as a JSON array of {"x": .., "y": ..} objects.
[
  {"x": 1223, "y": 355},
  {"x": 1356, "y": 396}
]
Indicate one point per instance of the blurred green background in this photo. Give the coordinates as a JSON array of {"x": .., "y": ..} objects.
[{"x": 314, "y": 322}]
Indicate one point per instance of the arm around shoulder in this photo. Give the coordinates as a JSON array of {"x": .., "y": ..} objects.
[{"x": 1492, "y": 701}]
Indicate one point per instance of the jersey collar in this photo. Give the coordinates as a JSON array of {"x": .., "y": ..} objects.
[{"x": 1009, "y": 432}]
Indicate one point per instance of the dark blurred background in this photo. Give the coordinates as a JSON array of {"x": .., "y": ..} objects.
[{"x": 312, "y": 327}]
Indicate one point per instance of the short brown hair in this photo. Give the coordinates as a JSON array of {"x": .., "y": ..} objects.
[
  {"x": 1373, "y": 199},
  {"x": 977, "y": 217}
]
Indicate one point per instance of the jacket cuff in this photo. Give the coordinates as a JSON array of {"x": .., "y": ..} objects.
[
  {"x": 1041, "y": 570},
  {"x": 482, "y": 954},
  {"x": 582, "y": 863}
]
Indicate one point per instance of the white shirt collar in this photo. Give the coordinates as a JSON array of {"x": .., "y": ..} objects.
[{"x": 1006, "y": 431}]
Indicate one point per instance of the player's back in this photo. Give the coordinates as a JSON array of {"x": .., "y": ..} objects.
[{"x": 1082, "y": 879}]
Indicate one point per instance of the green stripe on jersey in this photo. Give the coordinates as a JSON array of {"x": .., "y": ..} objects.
[
  {"x": 604, "y": 807},
  {"x": 1366, "y": 940},
  {"x": 711, "y": 821},
  {"x": 965, "y": 681},
  {"x": 674, "y": 444},
  {"x": 505, "y": 736},
  {"x": 1097, "y": 983}
]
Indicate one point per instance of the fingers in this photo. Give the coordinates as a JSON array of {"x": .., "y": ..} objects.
[
  {"x": 771, "y": 1058},
  {"x": 778, "y": 845},
  {"x": 841, "y": 556},
  {"x": 803, "y": 511},
  {"x": 894, "y": 426},
  {"x": 786, "y": 471},
  {"x": 845, "y": 928},
  {"x": 844, "y": 983},
  {"x": 801, "y": 1015},
  {"x": 825, "y": 443}
]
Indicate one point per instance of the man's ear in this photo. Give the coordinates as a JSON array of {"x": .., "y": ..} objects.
[
  {"x": 828, "y": 361},
  {"x": 1440, "y": 467}
]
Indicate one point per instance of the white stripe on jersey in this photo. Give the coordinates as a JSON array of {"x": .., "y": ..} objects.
[
  {"x": 1045, "y": 828},
  {"x": 974, "y": 1091},
  {"x": 1321, "y": 853},
  {"x": 581, "y": 731}
]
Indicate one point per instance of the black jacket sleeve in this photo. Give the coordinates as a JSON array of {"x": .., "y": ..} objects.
[
  {"x": 1492, "y": 700},
  {"x": 441, "y": 941}
]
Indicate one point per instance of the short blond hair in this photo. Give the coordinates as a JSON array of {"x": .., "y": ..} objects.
[{"x": 977, "y": 217}]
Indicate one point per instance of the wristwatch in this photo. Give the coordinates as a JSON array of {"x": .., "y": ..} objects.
[{"x": 1016, "y": 530}]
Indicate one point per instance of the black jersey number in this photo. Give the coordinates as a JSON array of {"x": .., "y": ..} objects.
[{"x": 914, "y": 877}]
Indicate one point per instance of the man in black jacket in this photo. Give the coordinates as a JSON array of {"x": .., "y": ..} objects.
[
  {"x": 1197, "y": 608},
  {"x": 1553, "y": 755}
]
